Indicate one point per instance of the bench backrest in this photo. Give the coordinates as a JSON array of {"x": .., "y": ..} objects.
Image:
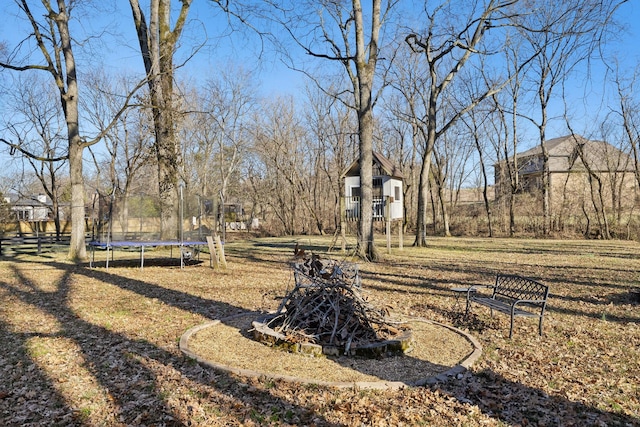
[{"x": 519, "y": 288}]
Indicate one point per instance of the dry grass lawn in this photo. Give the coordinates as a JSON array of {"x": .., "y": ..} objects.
[{"x": 98, "y": 347}]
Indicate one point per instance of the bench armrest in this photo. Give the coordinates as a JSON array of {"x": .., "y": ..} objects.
[
  {"x": 474, "y": 288},
  {"x": 525, "y": 301},
  {"x": 529, "y": 301},
  {"x": 482, "y": 286}
]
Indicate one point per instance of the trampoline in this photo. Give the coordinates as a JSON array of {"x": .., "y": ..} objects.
[
  {"x": 109, "y": 246},
  {"x": 104, "y": 215}
]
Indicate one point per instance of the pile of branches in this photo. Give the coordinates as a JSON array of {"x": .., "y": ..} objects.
[
  {"x": 326, "y": 307},
  {"x": 314, "y": 270}
]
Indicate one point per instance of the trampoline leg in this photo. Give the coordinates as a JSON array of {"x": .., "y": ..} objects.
[{"x": 141, "y": 257}]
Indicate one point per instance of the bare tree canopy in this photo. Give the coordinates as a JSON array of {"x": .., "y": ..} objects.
[
  {"x": 54, "y": 54},
  {"x": 349, "y": 35},
  {"x": 448, "y": 90}
]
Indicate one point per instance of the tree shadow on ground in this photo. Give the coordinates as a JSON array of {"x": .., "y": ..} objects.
[
  {"x": 486, "y": 274},
  {"x": 144, "y": 380},
  {"x": 215, "y": 310},
  {"x": 392, "y": 282},
  {"x": 133, "y": 374},
  {"x": 542, "y": 247},
  {"x": 517, "y": 404}
]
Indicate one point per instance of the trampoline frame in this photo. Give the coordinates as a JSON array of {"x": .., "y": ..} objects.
[{"x": 109, "y": 246}]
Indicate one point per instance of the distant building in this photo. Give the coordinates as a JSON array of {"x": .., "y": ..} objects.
[
  {"x": 34, "y": 208},
  {"x": 469, "y": 196},
  {"x": 577, "y": 168}
]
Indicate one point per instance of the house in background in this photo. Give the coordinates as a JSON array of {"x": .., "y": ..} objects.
[
  {"x": 387, "y": 190},
  {"x": 34, "y": 208},
  {"x": 578, "y": 170}
]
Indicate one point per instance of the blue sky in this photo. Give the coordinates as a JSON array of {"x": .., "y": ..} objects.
[
  {"x": 117, "y": 49},
  {"x": 120, "y": 49}
]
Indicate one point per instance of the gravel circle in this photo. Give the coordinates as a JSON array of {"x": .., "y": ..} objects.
[{"x": 440, "y": 351}]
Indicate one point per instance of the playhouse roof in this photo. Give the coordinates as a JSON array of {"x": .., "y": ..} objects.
[{"x": 385, "y": 167}]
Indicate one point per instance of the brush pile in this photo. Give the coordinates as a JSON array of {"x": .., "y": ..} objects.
[{"x": 326, "y": 307}]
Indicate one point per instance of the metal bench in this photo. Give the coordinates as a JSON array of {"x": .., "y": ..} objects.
[{"x": 513, "y": 295}]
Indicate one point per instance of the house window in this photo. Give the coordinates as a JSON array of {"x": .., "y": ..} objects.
[
  {"x": 530, "y": 183},
  {"x": 24, "y": 214},
  {"x": 396, "y": 192},
  {"x": 355, "y": 192}
]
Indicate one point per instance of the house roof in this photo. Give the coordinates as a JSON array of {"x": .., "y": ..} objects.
[
  {"x": 386, "y": 165},
  {"x": 564, "y": 155},
  {"x": 17, "y": 200},
  {"x": 555, "y": 146}
]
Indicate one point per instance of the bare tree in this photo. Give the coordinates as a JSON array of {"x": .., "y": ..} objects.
[
  {"x": 127, "y": 142},
  {"x": 348, "y": 35},
  {"x": 451, "y": 156},
  {"x": 401, "y": 142},
  {"x": 333, "y": 129},
  {"x": 477, "y": 124},
  {"x": 505, "y": 132},
  {"x": 55, "y": 46},
  {"x": 450, "y": 40},
  {"x": 280, "y": 144},
  {"x": 38, "y": 125},
  {"x": 607, "y": 169},
  {"x": 571, "y": 31},
  {"x": 158, "y": 44},
  {"x": 628, "y": 110},
  {"x": 219, "y": 131}
]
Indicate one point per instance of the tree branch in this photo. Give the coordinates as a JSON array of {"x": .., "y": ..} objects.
[{"x": 18, "y": 147}]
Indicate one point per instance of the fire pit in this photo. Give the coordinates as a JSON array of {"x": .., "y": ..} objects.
[{"x": 326, "y": 314}]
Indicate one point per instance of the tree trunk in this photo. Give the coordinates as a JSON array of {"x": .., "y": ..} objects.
[
  {"x": 157, "y": 46},
  {"x": 124, "y": 213},
  {"x": 167, "y": 174},
  {"x": 485, "y": 185},
  {"x": 512, "y": 214},
  {"x": 546, "y": 205},
  {"x": 56, "y": 218},
  {"x": 542, "y": 128},
  {"x": 69, "y": 99},
  {"x": 366, "y": 246},
  {"x": 445, "y": 212},
  {"x": 366, "y": 58},
  {"x": 423, "y": 196},
  {"x": 77, "y": 246}
]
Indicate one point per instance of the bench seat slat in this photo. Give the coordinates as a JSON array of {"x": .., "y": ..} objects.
[{"x": 503, "y": 307}]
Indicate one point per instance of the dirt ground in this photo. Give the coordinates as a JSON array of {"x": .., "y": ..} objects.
[
  {"x": 84, "y": 346},
  {"x": 229, "y": 345}
]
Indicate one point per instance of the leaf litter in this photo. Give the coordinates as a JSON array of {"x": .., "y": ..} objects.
[{"x": 91, "y": 347}]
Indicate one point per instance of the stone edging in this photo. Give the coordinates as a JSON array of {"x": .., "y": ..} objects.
[{"x": 371, "y": 385}]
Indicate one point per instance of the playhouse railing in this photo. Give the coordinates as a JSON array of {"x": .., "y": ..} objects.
[{"x": 352, "y": 208}]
